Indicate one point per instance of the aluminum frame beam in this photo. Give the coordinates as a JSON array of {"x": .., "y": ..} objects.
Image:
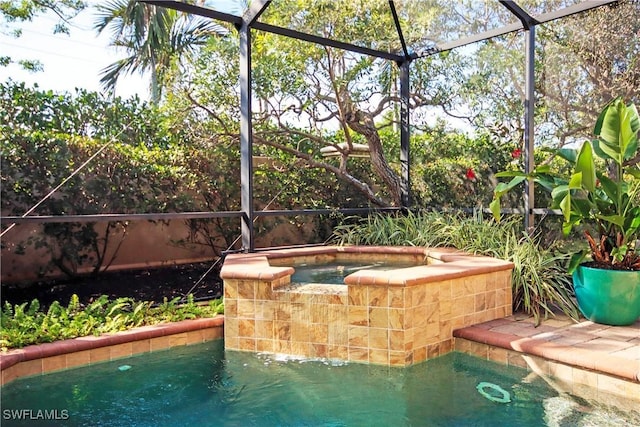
[
  {"x": 511, "y": 28},
  {"x": 405, "y": 136},
  {"x": 246, "y": 140},
  {"x": 529, "y": 126}
]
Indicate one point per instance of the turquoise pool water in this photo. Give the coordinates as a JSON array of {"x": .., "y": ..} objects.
[
  {"x": 333, "y": 273},
  {"x": 202, "y": 385}
]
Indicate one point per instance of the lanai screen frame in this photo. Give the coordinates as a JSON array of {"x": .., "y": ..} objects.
[{"x": 250, "y": 21}]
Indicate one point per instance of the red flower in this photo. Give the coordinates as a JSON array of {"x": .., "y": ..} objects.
[
  {"x": 516, "y": 153},
  {"x": 470, "y": 174}
]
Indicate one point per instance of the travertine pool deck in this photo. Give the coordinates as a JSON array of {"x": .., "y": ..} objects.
[{"x": 580, "y": 355}]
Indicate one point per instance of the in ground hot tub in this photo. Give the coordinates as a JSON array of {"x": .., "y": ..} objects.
[{"x": 391, "y": 316}]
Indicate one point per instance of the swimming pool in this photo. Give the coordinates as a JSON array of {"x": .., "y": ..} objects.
[
  {"x": 334, "y": 272},
  {"x": 205, "y": 385}
]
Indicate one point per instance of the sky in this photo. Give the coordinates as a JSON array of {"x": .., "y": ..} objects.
[{"x": 70, "y": 61}]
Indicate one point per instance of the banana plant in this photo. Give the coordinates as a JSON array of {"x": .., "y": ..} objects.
[{"x": 603, "y": 189}]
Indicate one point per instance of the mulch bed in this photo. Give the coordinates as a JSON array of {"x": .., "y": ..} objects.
[{"x": 142, "y": 285}]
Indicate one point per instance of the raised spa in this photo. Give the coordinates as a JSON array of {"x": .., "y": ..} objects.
[{"x": 390, "y": 316}]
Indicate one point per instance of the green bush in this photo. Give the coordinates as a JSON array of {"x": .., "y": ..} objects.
[
  {"x": 539, "y": 279},
  {"x": 25, "y": 324}
]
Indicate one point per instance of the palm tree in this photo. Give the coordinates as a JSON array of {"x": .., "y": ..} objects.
[{"x": 154, "y": 38}]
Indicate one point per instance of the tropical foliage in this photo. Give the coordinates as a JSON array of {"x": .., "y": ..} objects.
[
  {"x": 602, "y": 188},
  {"x": 25, "y": 324}
]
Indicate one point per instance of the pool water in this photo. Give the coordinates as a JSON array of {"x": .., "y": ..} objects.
[
  {"x": 204, "y": 385},
  {"x": 333, "y": 273}
]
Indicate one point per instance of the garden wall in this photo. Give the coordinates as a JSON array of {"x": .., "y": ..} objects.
[{"x": 147, "y": 244}]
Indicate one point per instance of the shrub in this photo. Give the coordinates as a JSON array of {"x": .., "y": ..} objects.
[{"x": 25, "y": 324}]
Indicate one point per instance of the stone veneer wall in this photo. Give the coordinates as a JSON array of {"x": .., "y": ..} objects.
[{"x": 396, "y": 318}]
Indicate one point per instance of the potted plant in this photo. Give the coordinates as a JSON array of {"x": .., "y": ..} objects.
[{"x": 602, "y": 190}]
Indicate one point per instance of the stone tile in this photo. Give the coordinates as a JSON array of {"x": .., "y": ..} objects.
[
  {"x": 246, "y": 309},
  {"x": 604, "y": 345},
  {"x": 396, "y": 340},
  {"x": 300, "y": 348},
  {"x": 247, "y": 328},
  {"x": 357, "y": 295},
  {"x": 397, "y": 358},
  {"x": 230, "y": 307},
  {"x": 358, "y": 336},
  {"x": 378, "y": 296},
  {"x": 263, "y": 291},
  {"x": 319, "y": 313},
  {"x": 632, "y": 352},
  {"x": 338, "y": 334},
  {"x": 125, "y": 350},
  {"x": 380, "y": 357},
  {"x": 379, "y": 338},
  {"x": 211, "y": 334},
  {"x": 340, "y": 352},
  {"x": 264, "y": 329},
  {"x": 300, "y": 332},
  {"x": 54, "y": 363},
  {"x": 378, "y": 317},
  {"x": 396, "y": 296},
  {"x": 480, "y": 302},
  {"x": 265, "y": 345},
  {"x": 283, "y": 331},
  {"x": 358, "y": 316},
  {"x": 79, "y": 358},
  {"x": 193, "y": 337},
  {"x": 357, "y": 354},
  {"x": 283, "y": 312},
  {"x": 246, "y": 290},
  {"x": 247, "y": 344},
  {"x": 319, "y": 350},
  {"x": 418, "y": 295},
  {"x": 396, "y": 318},
  {"x": 9, "y": 374},
  {"x": 611, "y": 385},
  {"x": 319, "y": 334},
  {"x": 28, "y": 368},
  {"x": 419, "y": 355},
  {"x": 230, "y": 290},
  {"x": 142, "y": 346}
]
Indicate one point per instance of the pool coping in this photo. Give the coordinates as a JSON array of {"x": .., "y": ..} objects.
[
  {"x": 591, "y": 360},
  {"x": 64, "y": 354},
  {"x": 449, "y": 264}
]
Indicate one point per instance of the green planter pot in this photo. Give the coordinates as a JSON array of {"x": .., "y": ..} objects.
[{"x": 611, "y": 297}]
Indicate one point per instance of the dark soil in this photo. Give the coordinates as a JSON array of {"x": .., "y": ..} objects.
[
  {"x": 141, "y": 285},
  {"x": 608, "y": 266}
]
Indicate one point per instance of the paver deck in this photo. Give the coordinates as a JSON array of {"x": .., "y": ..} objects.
[{"x": 584, "y": 353}]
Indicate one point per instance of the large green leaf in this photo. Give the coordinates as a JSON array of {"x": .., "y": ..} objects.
[
  {"x": 617, "y": 129},
  {"x": 631, "y": 125},
  {"x": 565, "y": 205},
  {"x": 569, "y": 154},
  {"x": 614, "y": 219},
  {"x": 586, "y": 167},
  {"x": 609, "y": 186},
  {"x": 494, "y": 207}
]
